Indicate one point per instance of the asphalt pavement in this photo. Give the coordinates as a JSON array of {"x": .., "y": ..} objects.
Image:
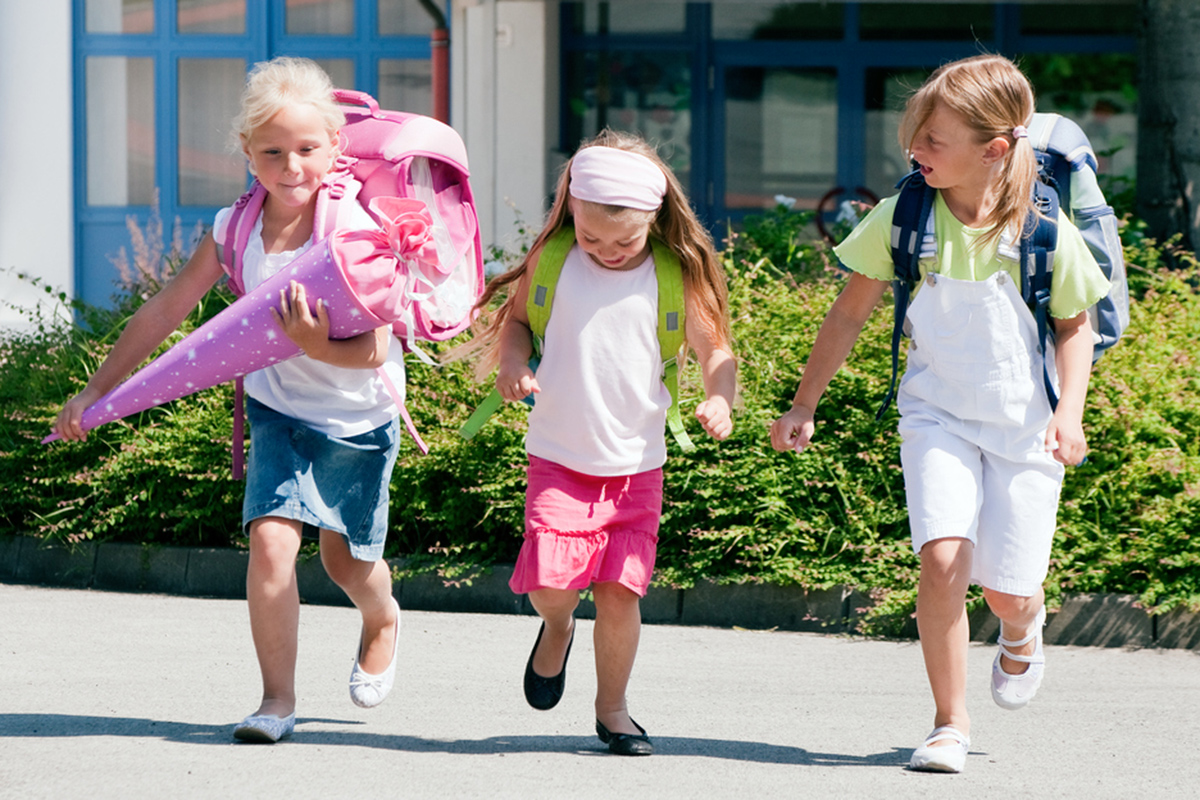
[{"x": 110, "y": 695}]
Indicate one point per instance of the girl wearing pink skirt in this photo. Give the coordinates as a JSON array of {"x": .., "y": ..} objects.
[{"x": 596, "y": 438}]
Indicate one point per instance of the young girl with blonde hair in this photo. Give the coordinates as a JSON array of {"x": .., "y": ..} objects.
[
  {"x": 323, "y": 426},
  {"x": 982, "y": 450},
  {"x": 596, "y": 438}
]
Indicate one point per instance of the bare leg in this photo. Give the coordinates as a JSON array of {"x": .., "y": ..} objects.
[
  {"x": 368, "y": 584},
  {"x": 1017, "y": 614},
  {"x": 274, "y": 602},
  {"x": 618, "y": 628},
  {"x": 556, "y": 607},
  {"x": 942, "y": 622}
]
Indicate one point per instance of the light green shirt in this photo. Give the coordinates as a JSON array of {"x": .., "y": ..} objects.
[{"x": 1076, "y": 284}]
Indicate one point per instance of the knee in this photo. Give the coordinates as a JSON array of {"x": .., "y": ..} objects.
[
  {"x": 554, "y": 602},
  {"x": 1012, "y": 606},
  {"x": 341, "y": 567},
  {"x": 946, "y": 561},
  {"x": 613, "y": 597},
  {"x": 274, "y": 541}
]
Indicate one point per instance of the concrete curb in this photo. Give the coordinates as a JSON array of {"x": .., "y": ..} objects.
[{"x": 1094, "y": 620}]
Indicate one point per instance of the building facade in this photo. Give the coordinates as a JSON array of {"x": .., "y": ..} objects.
[{"x": 121, "y": 104}]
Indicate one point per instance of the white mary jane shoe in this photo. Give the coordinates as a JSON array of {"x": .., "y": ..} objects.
[
  {"x": 265, "y": 728},
  {"x": 1015, "y": 691},
  {"x": 367, "y": 690},
  {"x": 947, "y": 758}
]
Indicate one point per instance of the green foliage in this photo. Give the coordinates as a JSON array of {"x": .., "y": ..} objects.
[
  {"x": 155, "y": 477},
  {"x": 734, "y": 511}
]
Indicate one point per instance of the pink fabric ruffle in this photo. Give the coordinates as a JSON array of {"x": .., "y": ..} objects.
[{"x": 584, "y": 529}]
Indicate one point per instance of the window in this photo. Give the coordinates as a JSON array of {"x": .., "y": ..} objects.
[
  {"x": 158, "y": 82},
  {"x": 756, "y": 99}
]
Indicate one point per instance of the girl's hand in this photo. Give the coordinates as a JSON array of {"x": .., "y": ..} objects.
[
  {"x": 293, "y": 316},
  {"x": 1066, "y": 440},
  {"x": 715, "y": 415},
  {"x": 68, "y": 424},
  {"x": 794, "y": 430},
  {"x": 515, "y": 381}
]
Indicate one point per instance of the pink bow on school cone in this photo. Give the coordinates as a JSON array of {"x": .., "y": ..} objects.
[{"x": 362, "y": 277}]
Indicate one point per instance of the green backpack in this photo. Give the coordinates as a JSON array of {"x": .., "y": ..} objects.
[{"x": 541, "y": 299}]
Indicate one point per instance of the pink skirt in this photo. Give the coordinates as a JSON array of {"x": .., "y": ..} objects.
[{"x": 584, "y": 529}]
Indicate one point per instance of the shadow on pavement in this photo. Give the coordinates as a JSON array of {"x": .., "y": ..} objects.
[{"x": 69, "y": 725}]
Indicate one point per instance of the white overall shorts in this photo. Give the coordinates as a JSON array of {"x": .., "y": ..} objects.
[{"x": 973, "y": 420}]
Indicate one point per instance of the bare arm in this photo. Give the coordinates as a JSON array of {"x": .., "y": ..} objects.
[
  {"x": 719, "y": 371},
  {"x": 147, "y": 329},
  {"x": 514, "y": 379},
  {"x": 835, "y": 340},
  {"x": 1073, "y": 356}
]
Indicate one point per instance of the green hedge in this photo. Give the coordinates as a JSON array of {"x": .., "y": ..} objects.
[{"x": 734, "y": 512}]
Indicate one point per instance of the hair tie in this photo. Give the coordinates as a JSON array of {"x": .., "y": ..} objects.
[
  {"x": 1019, "y": 132},
  {"x": 615, "y": 177}
]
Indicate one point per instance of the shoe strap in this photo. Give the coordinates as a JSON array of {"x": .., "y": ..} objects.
[
  {"x": 1037, "y": 658},
  {"x": 947, "y": 733},
  {"x": 1038, "y": 623}
]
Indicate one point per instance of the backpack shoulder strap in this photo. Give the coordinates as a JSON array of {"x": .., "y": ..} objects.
[
  {"x": 671, "y": 331},
  {"x": 1037, "y": 270},
  {"x": 545, "y": 278},
  {"x": 336, "y": 198},
  {"x": 912, "y": 218},
  {"x": 231, "y": 242}
]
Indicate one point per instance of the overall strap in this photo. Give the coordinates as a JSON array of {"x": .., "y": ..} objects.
[
  {"x": 910, "y": 218},
  {"x": 671, "y": 332},
  {"x": 1039, "y": 240}
]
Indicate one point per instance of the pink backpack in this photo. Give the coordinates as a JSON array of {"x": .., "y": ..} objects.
[{"x": 387, "y": 154}]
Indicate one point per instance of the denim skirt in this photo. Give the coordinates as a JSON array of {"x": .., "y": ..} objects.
[{"x": 341, "y": 485}]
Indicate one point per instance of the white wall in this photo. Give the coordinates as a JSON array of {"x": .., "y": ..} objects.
[
  {"x": 503, "y": 73},
  {"x": 36, "y": 217}
]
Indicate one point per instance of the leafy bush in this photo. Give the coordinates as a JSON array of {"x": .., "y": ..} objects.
[{"x": 733, "y": 512}]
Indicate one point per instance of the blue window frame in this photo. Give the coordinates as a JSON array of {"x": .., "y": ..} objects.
[
  {"x": 157, "y": 83},
  {"x": 795, "y": 107}
]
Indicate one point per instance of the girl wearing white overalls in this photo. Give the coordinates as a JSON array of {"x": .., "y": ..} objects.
[{"x": 982, "y": 451}]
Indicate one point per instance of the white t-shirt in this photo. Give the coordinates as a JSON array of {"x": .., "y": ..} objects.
[
  {"x": 334, "y": 400},
  {"x": 602, "y": 409}
]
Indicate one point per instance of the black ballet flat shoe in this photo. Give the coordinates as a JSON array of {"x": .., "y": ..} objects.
[
  {"x": 626, "y": 744},
  {"x": 544, "y": 693}
]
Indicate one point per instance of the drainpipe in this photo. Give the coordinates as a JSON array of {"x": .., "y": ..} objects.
[{"x": 439, "y": 44}]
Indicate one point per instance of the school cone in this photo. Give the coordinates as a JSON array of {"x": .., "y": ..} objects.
[{"x": 362, "y": 277}]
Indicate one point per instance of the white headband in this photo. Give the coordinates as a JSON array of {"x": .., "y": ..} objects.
[{"x": 615, "y": 177}]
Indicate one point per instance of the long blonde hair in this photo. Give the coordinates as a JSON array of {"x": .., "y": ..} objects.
[
  {"x": 675, "y": 224},
  {"x": 992, "y": 96}
]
